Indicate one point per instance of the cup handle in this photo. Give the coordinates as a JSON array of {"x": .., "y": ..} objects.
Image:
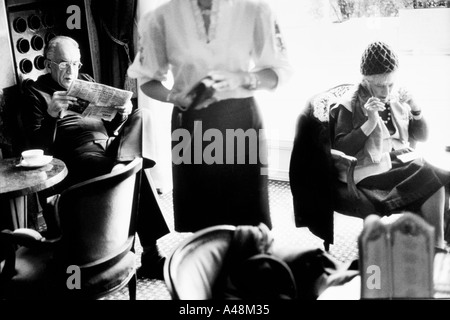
[{"x": 20, "y": 162}]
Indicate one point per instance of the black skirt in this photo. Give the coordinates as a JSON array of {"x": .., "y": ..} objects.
[
  {"x": 218, "y": 179},
  {"x": 404, "y": 187}
]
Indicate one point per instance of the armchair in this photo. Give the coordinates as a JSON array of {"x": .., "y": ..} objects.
[
  {"x": 220, "y": 262},
  {"x": 228, "y": 262},
  {"x": 193, "y": 267},
  {"x": 317, "y": 192},
  {"x": 94, "y": 255}
]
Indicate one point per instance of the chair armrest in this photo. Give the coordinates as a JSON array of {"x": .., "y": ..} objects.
[
  {"x": 25, "y": 237},
  {"x": 346, "y": 163},
  {"x": 20, "y": 237}
]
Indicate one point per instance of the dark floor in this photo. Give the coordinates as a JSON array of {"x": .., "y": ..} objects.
[{"x": 284, "y": 231}]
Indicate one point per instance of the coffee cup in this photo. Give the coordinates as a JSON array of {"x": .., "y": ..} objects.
[{"x": 32, "y": 156}]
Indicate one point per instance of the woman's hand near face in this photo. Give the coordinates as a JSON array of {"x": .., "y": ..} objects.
[
  {"x": 373, "y": 106},
  {"x": 405, "y": 96}
]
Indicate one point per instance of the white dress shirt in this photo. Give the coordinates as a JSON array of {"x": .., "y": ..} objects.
[{"x": 243, "y": 36}]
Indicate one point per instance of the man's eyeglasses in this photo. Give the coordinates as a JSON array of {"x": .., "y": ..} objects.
[{"x": 65, "y": 64}]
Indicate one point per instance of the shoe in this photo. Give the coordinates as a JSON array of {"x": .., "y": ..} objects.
[{"x": 154, "y": 270}]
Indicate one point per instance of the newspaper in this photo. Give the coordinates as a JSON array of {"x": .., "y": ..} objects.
[{"x": 97, "y": 100}]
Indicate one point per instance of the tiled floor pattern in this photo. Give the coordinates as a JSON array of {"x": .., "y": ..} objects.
[{"x": 284, "y": 231}]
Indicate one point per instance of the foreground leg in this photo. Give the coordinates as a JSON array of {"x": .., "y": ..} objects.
[
  {"x": 151, "y": 226},
  {"x": 433, "y": 212}
]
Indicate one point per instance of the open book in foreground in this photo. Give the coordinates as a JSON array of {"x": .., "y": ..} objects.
[
  {"x": 97, "y": 100},
  {"x": 396, "y": 258}
]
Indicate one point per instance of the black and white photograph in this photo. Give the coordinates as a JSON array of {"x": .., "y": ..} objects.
[{"x": 234, "y": 158}]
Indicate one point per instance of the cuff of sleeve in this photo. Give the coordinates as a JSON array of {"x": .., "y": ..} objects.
[{"x": 284, "y": 74}]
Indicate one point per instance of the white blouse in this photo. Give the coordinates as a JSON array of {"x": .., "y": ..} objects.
[{"x": 243, "y": 36}]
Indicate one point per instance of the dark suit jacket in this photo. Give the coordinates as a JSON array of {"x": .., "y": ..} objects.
[
  {"x": 41, "y": 126},
  {"x": 312, "y": 176}
]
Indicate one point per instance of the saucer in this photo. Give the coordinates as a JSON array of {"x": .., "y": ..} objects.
[{"x": 44, "y": 161}]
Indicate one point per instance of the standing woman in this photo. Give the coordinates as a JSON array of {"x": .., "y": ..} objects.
[{"x": 237, "y": 43}]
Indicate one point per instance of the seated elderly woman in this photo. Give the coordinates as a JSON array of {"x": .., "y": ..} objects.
[{"x": 375, "y": 123}]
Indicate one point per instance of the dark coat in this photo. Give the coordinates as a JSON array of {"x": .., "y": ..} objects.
[{"x": 312, "y": 176}]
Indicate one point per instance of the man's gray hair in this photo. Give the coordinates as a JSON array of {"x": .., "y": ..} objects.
[{"x": 49, "y": 50}]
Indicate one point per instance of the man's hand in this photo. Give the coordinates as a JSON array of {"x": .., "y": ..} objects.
[
  {"x": 59, "y": 104},
  {"x": 125, "y": 110}
]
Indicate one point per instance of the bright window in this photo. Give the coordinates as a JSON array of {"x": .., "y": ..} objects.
[{"x": 325, "y": 40}]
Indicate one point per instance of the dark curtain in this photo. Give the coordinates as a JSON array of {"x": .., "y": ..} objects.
[
  {"x": 114, "y": 20},
  {"x": 12, "y": 132}
]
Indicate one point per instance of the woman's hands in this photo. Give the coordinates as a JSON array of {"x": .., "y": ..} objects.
[
  {"x": 180, "y": 99},
  {"x": 373, "y": 106},
  {"x": 225, "y": 80},
  {"x": 222, "y": 81},
  {"x": 404, "y": 96}
]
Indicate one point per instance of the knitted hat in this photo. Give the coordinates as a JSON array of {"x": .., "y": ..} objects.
[{"x": 378, "y": 58}]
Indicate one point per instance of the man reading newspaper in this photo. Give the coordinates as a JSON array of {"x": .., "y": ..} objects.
[{"x": 89, "y": 145}]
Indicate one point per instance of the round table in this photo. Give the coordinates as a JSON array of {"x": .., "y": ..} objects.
[{"x": 17, "y": 182}]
